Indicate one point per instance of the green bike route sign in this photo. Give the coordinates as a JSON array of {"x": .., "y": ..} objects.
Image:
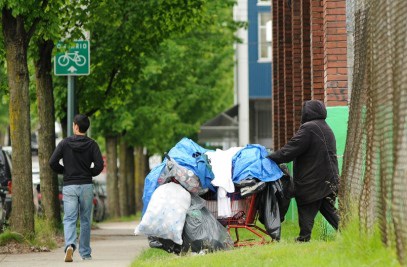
[{"x": 74, "y": 61}]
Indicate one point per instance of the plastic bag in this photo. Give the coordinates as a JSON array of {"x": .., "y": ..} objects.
[
  {"x": 269, "y": 213},
  {"x": 202, "y": 232},
  {"x": 166, "y": 212},
  {"x": 287, "y": 182},
  {"x": 150, "y": 184},
  {"x": 182, "y": 175}
]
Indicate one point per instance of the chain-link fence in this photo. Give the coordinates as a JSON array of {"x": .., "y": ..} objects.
[{"x": 375, "y": 161}]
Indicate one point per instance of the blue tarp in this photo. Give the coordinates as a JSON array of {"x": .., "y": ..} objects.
[
  {"x": 150, "y": 184},
  {"x": 186, "y": 153},
  {"x": 252, "y": 162},
  {"x": 189, "y": 154},
  {"x": 249, "y": 162}
]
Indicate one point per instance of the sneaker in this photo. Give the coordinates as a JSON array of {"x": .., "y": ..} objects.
[
  {"x": 87, "y": 258},
  {"x": 68, "y": 254}
]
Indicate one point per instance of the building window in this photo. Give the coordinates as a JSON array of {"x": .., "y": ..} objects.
[
  {"x": 265, "y": 36},
  {"x": 264, "y": 2}
]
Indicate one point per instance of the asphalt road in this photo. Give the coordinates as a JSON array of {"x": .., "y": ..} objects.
[{"x": 113, "y": 244}]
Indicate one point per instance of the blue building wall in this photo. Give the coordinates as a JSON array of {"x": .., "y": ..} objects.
[{"x": 260, "y": 75}]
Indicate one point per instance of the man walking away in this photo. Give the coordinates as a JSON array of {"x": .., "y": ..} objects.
[{"x": 77, "y": 152}]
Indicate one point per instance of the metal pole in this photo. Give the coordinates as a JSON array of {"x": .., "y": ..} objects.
[{"x": 71, "y": 93}]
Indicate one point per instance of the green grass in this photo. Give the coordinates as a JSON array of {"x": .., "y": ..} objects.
[
  {"x": 44, "y": 235},
  {"x": 130, "y": 218},
  {"x": 8, "y": 236},
  {"x": 327, "y": 248}
]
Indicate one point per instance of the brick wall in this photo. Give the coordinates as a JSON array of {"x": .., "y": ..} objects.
[
  {"x": 281, "y": 101},
  {"x": 335, "y": 55},
  {"x": 297, "y": 61},
  {"x": 275, "y": 68},
  {"x": 288, "y": 74},
  {"x": 309, "y": 60},
  {"x": 305, "y": 50},
  {"x": 317, "y": 50}
]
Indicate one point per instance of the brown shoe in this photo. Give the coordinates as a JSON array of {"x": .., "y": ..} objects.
[{"x": 68, "y": 254}]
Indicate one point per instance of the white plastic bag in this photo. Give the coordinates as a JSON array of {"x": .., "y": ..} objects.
[{"x": 165, "y": 214}]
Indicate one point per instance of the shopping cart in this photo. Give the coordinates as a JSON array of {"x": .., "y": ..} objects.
[{"x": 244, "y": 216}]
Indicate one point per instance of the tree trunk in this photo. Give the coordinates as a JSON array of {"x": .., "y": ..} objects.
[
  {"x": 16, "y": 43},
  {"x": 140, "y": 176},
  {"x": 123, "y": 192},
  {"x": 46, "y": 133},
  {"x": 130, "y": 179},
  {"x": 64, "y": 124},
  {"x": 111, "y": 179},
  {"x": 8, "y": 143},
  {"x": 2, "y": 137}
]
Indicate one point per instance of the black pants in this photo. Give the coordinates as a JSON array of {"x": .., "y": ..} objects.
[{"x": 307, "y": 213}]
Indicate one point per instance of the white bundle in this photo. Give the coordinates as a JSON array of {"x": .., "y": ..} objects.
[{"x": 166, "y": 212}]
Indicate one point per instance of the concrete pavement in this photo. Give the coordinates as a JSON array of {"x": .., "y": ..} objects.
[{"x": 113, "y": 244}]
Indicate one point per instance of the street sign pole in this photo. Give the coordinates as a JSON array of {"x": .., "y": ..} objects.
[
  {"x": 71, "y": 93},
  {"x": 73, "y": 61}
]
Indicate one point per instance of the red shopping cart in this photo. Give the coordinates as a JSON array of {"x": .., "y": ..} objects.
[{"x": 244, "y": 216}]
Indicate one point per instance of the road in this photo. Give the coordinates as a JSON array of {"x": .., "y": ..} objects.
[{"x": 113, "y": 244}]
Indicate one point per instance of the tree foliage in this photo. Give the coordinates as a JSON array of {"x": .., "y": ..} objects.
[
  {"x": 185, "y": 82},
  {"x": 38, "y": 22},
  {"x": 147, "y": 55},
  {"x": 159, "y": 68}
]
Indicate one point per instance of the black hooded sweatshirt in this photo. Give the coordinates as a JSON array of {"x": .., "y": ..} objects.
[
  {"x": 78, "y": 153},
  {"x": 313, "y": 150}
]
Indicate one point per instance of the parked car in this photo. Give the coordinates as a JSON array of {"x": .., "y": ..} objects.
[
  {"x": 99, "y": 201},
  {"x": 5, "y": 185},
  {"x": 99, "y": 198},
  {"x": 99, "y": 209}
]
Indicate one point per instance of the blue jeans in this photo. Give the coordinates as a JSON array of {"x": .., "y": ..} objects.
[{"x": 78, "y": 198}]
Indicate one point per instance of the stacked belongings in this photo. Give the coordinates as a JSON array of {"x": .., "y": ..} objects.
[
  {"x": 191, "y": 169},
  {"x": 173, "y": 221}
]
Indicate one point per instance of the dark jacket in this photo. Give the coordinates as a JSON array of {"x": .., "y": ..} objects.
[
  {"x": 78, "y": 153},
  {"x": 313, "y": 150}
]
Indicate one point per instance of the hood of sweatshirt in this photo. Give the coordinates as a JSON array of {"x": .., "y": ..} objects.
[
  {"x": 80, "y": 143},
  {"x": 313, "y": 110}
]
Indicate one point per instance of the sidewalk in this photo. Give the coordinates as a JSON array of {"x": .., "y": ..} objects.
[{"x": 113, "y": 244}]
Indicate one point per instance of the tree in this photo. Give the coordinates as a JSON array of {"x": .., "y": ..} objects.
[
  {"x": 46, "y": 132},
  {"x": 152, "y": 93},
  {"x": 187, "y": 81},
  {"x": 113, "y": 207},
  {"x": 4, "y": 125},
  {"x": 136, "y": 28},
  {"x": 53, "y": 25},
  {"x": 19, "y": 22}
]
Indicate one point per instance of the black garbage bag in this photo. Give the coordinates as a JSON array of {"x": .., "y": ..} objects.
[
  {"x": 269, "y": 213},
  {"x": 202, "y": 231},
  {"x": 164, "y": 244},
  {"x": 285, "y": 191},
  {"x": 287, "y": 182}
]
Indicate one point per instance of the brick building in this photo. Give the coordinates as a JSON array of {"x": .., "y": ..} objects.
[{"x": 309, "y": 62}]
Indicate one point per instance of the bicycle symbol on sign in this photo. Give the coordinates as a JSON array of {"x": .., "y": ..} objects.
[{"x": 79, "y": 60}]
